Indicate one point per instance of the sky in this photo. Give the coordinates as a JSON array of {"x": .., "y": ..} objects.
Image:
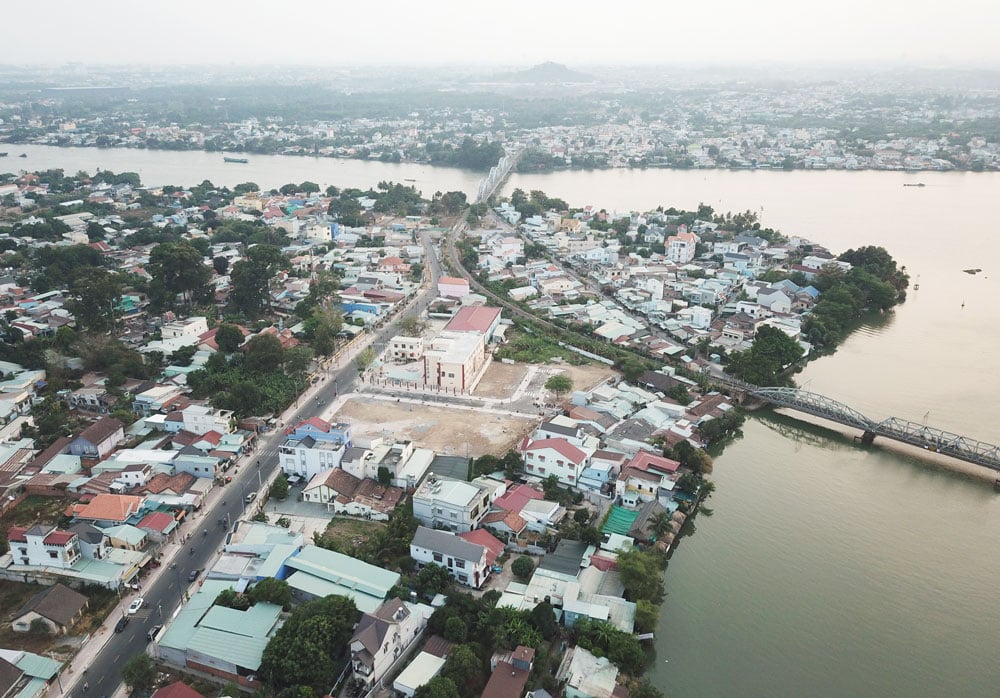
[{"x": 509, "y": 33}]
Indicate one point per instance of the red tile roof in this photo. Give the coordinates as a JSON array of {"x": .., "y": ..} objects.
[
  {"x": 473, "y": 319},
  {"x": 178, "y": 689},
  {"x": 562, "y": 446},
  {"x": 494, "y": 548},
  {"x": 644, "y": 460},
  {"x": 516, "y": 497},
  {"x": 57, "y": 537},
  {"x": 156, "y": 521}
]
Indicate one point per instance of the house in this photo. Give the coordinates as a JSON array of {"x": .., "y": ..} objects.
[
  {"x": 309, "y": 458},
  {"x": 444, "y": 502},
  {"x": 201, "y": 419},
  {"x": 559, "y": 457},
  {"x": 453, "y": 287},
  {"x": 510, "y": 672},
  {"x": 57, "y": 606},
  {"x": 98, "y": 440},
  {"x": 424, "y": 667},
  {"x": 383, "y": 636},
  {"x": 453, "y": 360},
  {"x": 108, "y": 509},
  {"x": 343, "y": 493},
  {"x": 587, "y": 676},
  {"x": 468, "y": 562},
  {"x": 43, "y": 546}
]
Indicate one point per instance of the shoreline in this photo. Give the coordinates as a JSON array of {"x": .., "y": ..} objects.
[{"x": 547, "y": 171}]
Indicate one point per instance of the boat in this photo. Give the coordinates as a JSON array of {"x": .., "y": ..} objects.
[
  {"x": 23, "y": 155},
  {"x": 3, "y": 155},
  {"x": 240, "y": 160},
  {"x": 915, "y": 184}
]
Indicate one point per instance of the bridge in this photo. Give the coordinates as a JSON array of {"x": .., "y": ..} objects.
[
  {"x": 902, "y": 430},
  {"x": 498, "y": 173}
]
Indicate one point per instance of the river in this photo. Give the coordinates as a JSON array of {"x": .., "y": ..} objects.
[
  {"x": 188, "y": 168},
  {"x": 826, "y": 569}
]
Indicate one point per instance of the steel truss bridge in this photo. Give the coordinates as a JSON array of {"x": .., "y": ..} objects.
[{"x": 921, "y": 435}]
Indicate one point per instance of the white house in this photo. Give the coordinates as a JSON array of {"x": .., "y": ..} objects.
[
  {"x": 559, "y": 457},
  {"x": 201, "y": 419},
  {"x": 443, "y": 502},
  {"x": 453, "y": 287},
  {"x": 43, "y": 546},
  {"x": 681, "y": 247},
  {"x": 306, "y": 457},
  {"x": 381, "y": 637},
  {"x": 468, "y": 563}
]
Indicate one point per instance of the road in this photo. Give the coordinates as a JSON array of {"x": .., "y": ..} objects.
[{"x": 166, "y": 586}]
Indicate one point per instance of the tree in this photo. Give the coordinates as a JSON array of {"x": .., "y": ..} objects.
[
  {"x": 560, "y": 384},
  {"x": 220, "y": 265},
  {"x": 644, "y": 689},
  {"x": 641, "y": 575},
  {"x": 438, "y": 687},
  {"x": 139, "y": 672},
  {"x": 455, "y": 630},
  {"x": 543, "y": 617},
  {"x": 251, "y": 279},
  {"x": 411, "y": 326},
  {"x": 365, "y": 358},
  {"x": 305, "y": 649},
  {"x": 522, "y": 567},
  {"x": 95, "y": 293},
  {"x": 466, "y": 670},
  {"x": 647, "y": 614},
  {"x": 178, "y": 269},
  {"x": 327, "y": 324},
  {"x": 271, "y": 590},
  {"x": 771, "y": 353},
  {"x": 264, "y": 354},
  {"x": 384, "y": 476},
  {"x": 228, "y": 338},
  {"x": 279, "y": 488},
  {"x": 433, "y": 579}
]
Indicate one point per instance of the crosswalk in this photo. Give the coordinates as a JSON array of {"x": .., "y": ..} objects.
[{"x": 142, "y": 613}]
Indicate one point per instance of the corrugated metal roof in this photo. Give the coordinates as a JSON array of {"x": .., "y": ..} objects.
[
  {"x": 256, "y": 621},
  {"x": 240, "y": 650},
  {"x": 320, "y": 588},
  {"x": 344, "y": 570}
]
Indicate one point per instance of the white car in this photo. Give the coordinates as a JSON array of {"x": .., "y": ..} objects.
[{"x": 136, "y": 605}]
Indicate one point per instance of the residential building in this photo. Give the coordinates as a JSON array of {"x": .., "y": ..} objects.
[
  {"x": 681, "y": 247},
  {"x": 468, "y": 562},
  {"x": 587, "y": 676},
  {"x": 444, "y": 502},
  {"x": 383, "y": 636},
  {"x": 43, "y": 546},
  {"x": 201, "y": 419},
  {"x": 307, "y": 458},
  {"x": 559, "y": 457},
  {"x": 453, "y": 287},
  {"x": 57, "y": 606},
  {"x": 404, "y": 349},
  {"x": 510, "y": 673},
  {"x": 98, "y": 440},
  {"x": 343, "y": 493}
]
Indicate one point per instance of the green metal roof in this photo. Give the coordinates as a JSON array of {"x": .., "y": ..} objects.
[
  {"x": 345, "y": 571},
  {"x": 321, "y": 588},
  {"x": 180, "y": 631},
  {"x": 126, "y": 532},
  {"x": 33, "y": 689},
  {"x": 256, "y": 621},
  {"x": 240, "y": 650},
  {"x": 275, "y": 560},
  {"x": 35, "y": 665}
]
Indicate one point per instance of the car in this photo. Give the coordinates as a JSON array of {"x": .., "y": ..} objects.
[
  {"x": 252, "y": 496},
  {"x": 136, "y": 605},
  {"x": 153, "y": 632},
  {"x": 229, "y": 478},
  {"x": 120, "y": 625},
  {"x": 193, "y": 575}
]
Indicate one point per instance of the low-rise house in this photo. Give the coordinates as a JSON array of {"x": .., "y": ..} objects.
[
  {"x": 43, "y": 546},
  {"x": 559, "y": 457},
  {"x": 510, "y": 673},
  {"x": 343, "y": 493},
  {"x": 444, "y": 502},
  {"x": 469, "y": 562},
  {"x": 57, "y": 606},
  {"x": 98, "y": 440},
  {"x": 108, "y": 509},
  {"x": 383, "y": 636},
  {"x": 587, "y": 676},
  {"x": 317, "y": 572}
]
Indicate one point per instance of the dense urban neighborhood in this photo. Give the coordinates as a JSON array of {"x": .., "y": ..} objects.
[{"x": 395, "y": 445}]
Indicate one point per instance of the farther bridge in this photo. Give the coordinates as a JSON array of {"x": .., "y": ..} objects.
[{"x": 928, "y": 438}]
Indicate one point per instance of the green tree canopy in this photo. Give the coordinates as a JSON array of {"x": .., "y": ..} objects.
[
  {"x": 264, "y": 353},
  {"x": 560, "y": 384},
  {"x": 95, "y": 293},
  {"x": 522, "y": 567},
  {"x": 251, "y": 278},
  {"x": 228, "y": 338},
  {"x": 139, "y": 672},
  {"x": 438, "y": 687},
  {"x": 178, "y": 269}
]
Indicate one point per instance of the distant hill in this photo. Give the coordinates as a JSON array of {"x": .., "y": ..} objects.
[{"x": 545, "y": 72}]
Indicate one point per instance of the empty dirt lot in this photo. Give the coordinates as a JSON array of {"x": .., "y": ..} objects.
[
  {"x": 500, "y": 380},
  {"x": 584, "y": 377},
  {"x": 446, "y": 430}
]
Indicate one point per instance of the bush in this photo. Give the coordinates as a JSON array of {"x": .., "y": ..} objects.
[{"x": 522, "y": 567}]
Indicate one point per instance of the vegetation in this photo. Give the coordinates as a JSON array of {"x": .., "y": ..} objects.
[
  {"x": 139, "y": 672},
  {"x": 309, "y": 648},
  {"x": 560, "y": 384},
  {"x": 522, "y": 567},
  {"x": 771, "y": 353}
]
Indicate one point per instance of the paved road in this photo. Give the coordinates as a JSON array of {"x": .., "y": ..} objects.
[{"x": 207, "y": 536}]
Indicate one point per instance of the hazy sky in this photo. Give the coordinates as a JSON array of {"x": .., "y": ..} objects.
[{"x": 509, "y": 32}]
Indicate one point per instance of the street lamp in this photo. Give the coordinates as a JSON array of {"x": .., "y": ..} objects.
[
  {"x": 180, "y": 588},
  {"x": 59, "y": 672}
]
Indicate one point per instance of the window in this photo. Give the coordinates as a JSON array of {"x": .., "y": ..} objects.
[
  {"x": 541, "y": 470},
  {"x": 438, "y": 557},
  {"x": 454, "y": 515},
  {"x": 559, "y": 462},
  {"x": 460, "y": 564},
  {"x": 53, "y": 554},
  {"x": 464, "y": 578},
  {"x": 541, "y": 458}
]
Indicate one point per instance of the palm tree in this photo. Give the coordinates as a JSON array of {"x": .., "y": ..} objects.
[{"x": 659, "y": 524}]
